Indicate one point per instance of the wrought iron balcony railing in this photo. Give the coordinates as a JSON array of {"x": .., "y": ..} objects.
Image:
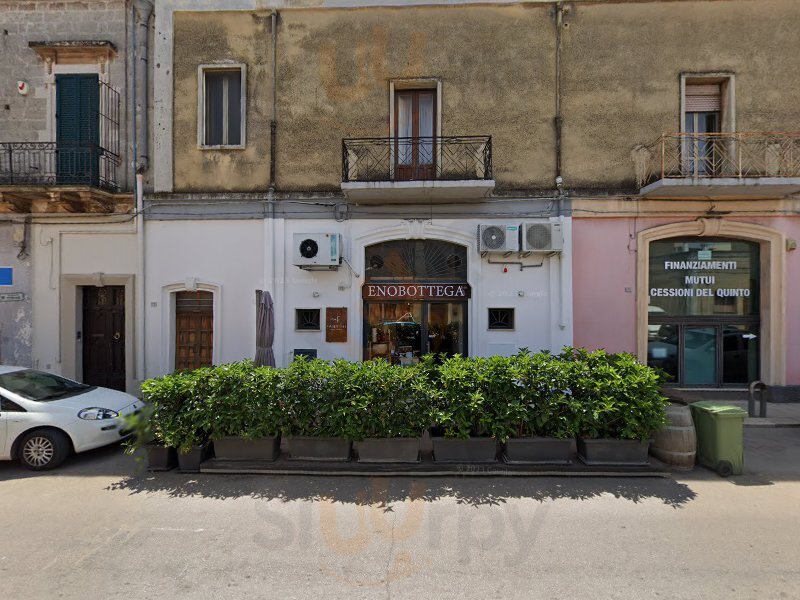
[
  {"x": 417, "y": 159},
  {"x": 51, "y": 163},
  {"x": 734, "y": 155}
]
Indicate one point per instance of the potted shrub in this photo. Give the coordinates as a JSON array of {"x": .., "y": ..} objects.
[
  {"x": 390, "y": 410},
  {"x": 244, "y": 412},
  {"x": 317, "y": 415},
  {"x": 187, "y": 430},
  {"x": 621, "y": 406},
  {"x": 541, "y": 411},
  {"x": 465, "y": 427},
  {"x": 152, "y": 427}
]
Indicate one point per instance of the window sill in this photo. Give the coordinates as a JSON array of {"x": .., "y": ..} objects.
[{"x": 201, "y": 147}]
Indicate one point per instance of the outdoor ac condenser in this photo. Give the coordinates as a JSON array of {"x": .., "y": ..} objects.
[
  {"x": 498, "y": 238},
  {"x": 543, "y": 236},
  {"x": 317, "y": 251}
]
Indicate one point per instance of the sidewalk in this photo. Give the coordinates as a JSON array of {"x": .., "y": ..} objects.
[{"x": 779, "y": 414}]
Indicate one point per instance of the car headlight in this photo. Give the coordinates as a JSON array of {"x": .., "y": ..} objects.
[{"x": 97, "y": 414}]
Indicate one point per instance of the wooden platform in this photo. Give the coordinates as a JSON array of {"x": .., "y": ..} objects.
[{"x": 426, "y": 468}]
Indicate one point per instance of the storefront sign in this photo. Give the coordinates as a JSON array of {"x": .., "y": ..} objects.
[
  {"x": 335, "y": 324},
  {"x": 416, "y": 291}
]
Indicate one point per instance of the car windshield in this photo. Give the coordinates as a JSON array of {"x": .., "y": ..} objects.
[{"x": 42, "y": 387}]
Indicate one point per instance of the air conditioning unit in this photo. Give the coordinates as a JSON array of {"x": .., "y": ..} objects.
[
  {"x": 543, "y": 236},
  {"x": 498, "y": 238},
  {"x": 317, "y": 251}
]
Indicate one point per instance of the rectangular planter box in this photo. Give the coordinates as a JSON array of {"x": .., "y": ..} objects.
[
  {"x": 538, "y": 451},
  {"x": 389, "y": 450},
  {"x": 190, "y": 461},
  {"x": 472, "y": 450},
  {"x": 614, "y": 452},
  {"x": 161, "y": 458},
  {"x": 319, "y": 448},
  {"x": 235, "y": 448}
]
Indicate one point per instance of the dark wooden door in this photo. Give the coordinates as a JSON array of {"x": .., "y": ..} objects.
[
  {"x": 415, "y": 126},
  {"x": 104, "y": 336},
  {"x": 194, "y": 330}
]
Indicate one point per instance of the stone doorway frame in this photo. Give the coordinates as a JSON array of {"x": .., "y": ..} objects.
[{"x": 772, "y": 244}]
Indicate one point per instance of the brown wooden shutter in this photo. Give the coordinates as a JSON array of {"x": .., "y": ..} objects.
[{"x": 703, "y": 97}]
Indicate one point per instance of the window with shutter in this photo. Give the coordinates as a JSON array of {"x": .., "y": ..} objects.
[
  {"x": 77, "y": 108},
  {"x": 222, "y": 107}
]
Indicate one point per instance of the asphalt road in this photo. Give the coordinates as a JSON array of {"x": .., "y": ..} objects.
[{"x": 97, "y": 529}]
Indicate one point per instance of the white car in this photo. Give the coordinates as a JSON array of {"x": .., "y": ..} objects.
[{"x": 45, "y": 417}]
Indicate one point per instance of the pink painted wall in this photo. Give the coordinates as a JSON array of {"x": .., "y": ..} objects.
[{"x": 604, "y": 265}]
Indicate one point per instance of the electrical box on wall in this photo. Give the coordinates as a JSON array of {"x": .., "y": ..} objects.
[{"x": 317, "y": 251}]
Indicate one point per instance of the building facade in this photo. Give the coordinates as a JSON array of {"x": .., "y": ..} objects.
[
  {"x": 372, "y": 168},
  {"x": 67, "y": 220},
  {"x": 413, "y": 177}
]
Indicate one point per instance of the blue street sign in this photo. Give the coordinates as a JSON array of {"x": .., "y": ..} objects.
[{"x": 6, "y": 275}]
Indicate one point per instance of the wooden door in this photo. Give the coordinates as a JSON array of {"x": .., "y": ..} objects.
[
  {"x": 415, "y": 127},
  {"x": 104, "y": 336},
  {"x": 194, "y": 330}
]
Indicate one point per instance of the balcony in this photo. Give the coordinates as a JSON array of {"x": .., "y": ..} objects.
[
  {"x": 720, "y": 165},
  {"x": 58, "y": 177},
  {"x": 417, "y": 169}
]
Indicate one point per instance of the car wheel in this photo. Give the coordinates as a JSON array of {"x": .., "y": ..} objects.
[{"x": 43, "y": 449}]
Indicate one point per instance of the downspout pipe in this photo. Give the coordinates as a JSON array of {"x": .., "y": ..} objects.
[
  {"x": 270, "y": 262},
  {"x": 143, "y": 11},
  {"x": 558, "y": 120}
]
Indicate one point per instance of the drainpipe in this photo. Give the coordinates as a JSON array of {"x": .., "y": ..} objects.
[
  {"x": 270, "y": 264},
  {"x": 143, "y": 9},
  {"x": 558, "y": 121}
]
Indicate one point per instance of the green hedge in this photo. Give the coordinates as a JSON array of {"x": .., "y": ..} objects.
[{"x": 592, "y": 394}]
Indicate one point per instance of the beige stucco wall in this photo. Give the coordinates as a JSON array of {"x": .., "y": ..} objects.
[
  {"x": 496, "y": 65},
  {"x": 219, "y": 37},
  {"x": 622, "y": 66}
]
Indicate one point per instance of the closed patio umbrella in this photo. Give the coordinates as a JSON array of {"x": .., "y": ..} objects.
[{"x": 265, "y": 329}]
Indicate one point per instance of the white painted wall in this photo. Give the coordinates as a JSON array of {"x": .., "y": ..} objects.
[
  {"x": 228, "y": 258},
  {"x": 63, "y": 257}
]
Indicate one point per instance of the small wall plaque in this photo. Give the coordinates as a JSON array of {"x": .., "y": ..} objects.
[{"x": 336, "y": 324}]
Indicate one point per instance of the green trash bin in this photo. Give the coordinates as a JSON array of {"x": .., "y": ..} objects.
[{"x": 719, "y": 436}]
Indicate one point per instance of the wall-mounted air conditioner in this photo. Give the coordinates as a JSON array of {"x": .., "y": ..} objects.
[
  {"x": 543, "y": 236},
  {"x": 498, "y": 238},
  {"x": 317, "y": 251}
]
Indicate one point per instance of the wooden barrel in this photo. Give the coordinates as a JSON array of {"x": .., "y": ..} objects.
[{"x": 675, "y": 444}]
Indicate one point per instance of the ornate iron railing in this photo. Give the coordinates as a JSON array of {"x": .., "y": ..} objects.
[
  {"x": 417, "y": 159},
  {"x": 742, "y": 154},
  {"x": 51, "y": 163}
]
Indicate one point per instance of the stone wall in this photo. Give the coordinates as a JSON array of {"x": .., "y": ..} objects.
[
  {"x": 25, "y": 118},
  {"x": 15, "y": 316}
]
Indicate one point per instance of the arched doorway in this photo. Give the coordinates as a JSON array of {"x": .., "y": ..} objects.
[
  {"x": 768, "y": 295},
  {"x": 415, "y": 297},
  {"x": 704, "y": 324}
]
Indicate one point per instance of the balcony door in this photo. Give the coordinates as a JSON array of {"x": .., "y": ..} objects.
[
  {"x": 77, "y": 129},
  {"x": 704, "y": 152},
  {"x": 415, "y": 124}
]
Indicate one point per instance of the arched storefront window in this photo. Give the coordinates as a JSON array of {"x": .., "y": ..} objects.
[
  {"x": 415, "y": 300},
  {"x": 703, "y": 316}
]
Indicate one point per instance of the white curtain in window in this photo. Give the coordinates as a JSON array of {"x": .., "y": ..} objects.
[{"x": 405, "y": 114}]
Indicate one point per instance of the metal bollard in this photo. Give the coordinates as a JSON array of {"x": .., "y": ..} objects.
[{"x": 760, "y": 387}]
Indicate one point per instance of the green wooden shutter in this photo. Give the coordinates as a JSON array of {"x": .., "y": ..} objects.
[{"x": 77, "y": 131}]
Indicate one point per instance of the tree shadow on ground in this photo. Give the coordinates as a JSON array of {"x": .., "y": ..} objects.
[{"x": 472, "y": 491}]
